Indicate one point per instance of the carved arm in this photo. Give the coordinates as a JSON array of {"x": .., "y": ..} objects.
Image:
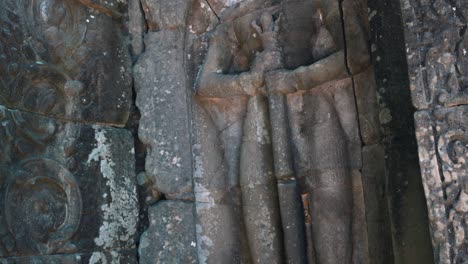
[
  {"x": 214, "y": 82},
  {"x": 328, "y": 69}
]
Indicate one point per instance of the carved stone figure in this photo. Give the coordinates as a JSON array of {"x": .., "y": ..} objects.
[
  {"x": 244, "y": 123},
  {"x": 243, "y": 68},
  {"x": 252, "y": 116},
  {"x": 442, "y": 141}
]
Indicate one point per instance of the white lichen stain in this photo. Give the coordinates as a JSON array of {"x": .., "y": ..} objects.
[
  {"x": 119, "y": 222},
  {"x": 204, "y": 244},
  {"x": 98, "y": 258},
  {"x": 385, "y": 116}
]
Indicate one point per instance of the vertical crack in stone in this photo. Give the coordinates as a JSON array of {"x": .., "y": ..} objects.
[
  {"x": 345, "y": 48},
  {"x": 340, "y": 4},
  {"x": 212, "y": 10},
  {"x": 145, "y": 19},
  {"x": 190, "y": 120},
  {"x": 140, "y": 153}
]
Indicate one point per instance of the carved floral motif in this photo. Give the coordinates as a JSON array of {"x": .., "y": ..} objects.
[{"x": 56, "y": 53}]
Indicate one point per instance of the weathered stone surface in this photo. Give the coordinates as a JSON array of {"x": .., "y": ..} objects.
[
  {"x": 66, "y": 187},
  {"x": 436, "y": 42},
  {"x": 220, "y": 229},
  {"x": 114, "y": 7},
  {"x": 359, "y": 223},
  {"x": 443, "y": 150},
  {"x": 136, "y": 26},
  {"x": 171, "y": 236},
  {"x": 406, "y": 201},
  {"x": 356, "y": 33},
  {"x": 160, "y": 82},
  {"x": 64, "y": 59},
  {"x": 323, "y": 119},
  {"x": 292, "y": 220},
  {"x": 162, "y": 99},
  {"x": 98, "y": 257},
  {"x": 285, "y": 87},
  {"x": 376, "y": 214},
  {"x": 368, "y": 109},
  {"x": 161, "y": 14}
]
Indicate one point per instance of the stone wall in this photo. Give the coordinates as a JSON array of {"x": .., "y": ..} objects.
[
  {"x": 67, "y": 165},
  {"x": 211, "y": 131},
  {"x": 201, "y": 214}
]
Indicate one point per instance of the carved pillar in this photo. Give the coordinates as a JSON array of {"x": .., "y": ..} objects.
[
  {"x": 67, "y": 177},
  {"x": 163, "y": 98},
  {"x": 436, "y": 41}
]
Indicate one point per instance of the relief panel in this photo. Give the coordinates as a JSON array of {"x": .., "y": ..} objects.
[
  {"x": 65, "y": 59},
  {"x": 437, "y": 43},
  {"x": 443, "y": 150},
  {"x": 67, "y": 188}
]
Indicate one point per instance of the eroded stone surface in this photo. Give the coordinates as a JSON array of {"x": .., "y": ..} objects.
[
  {"x": 98, "y": 257},
  {"x": 437, "y": 44},
  {"x": 170, "y": 237},
  {"x": 366, "y": 102},
  {"x": 443, "y": 144},
  {"x": 160, "y": 82},
  {"x": 373, "y": 185},
  {"x": 72, "y": 186},
  {"x": 162, "y": 98},
  {"x": 67, "y": 187},
  {"x": 321, "y": 116},
  {"x": 64, "y": 59},
  {"x": 162, "y": 14}
]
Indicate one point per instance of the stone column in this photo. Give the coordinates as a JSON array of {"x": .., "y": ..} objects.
[
  {"x": 436, "y": 42},
  {"x": 163, "y": 98}
]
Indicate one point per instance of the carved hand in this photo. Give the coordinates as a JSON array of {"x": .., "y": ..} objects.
[
  {"x": 281, "y": 81},
  {"x": 252, "y": 83},
  {"x": 268, "y": 30},
  {"x": 270, "y": 58}
]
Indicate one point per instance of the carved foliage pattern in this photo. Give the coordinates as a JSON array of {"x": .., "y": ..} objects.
[
  {"x": 55, "y": 54},
  {"x": 437, "y": 44},
  {"x": 443, "y": 151},
  {"x": 41, "y": 201}
]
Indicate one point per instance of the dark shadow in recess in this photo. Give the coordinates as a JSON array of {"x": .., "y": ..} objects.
[{"x": 405, "y": 194}]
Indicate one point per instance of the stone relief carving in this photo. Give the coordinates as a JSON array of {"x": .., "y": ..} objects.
[
  {"x": 42, "y": 206},
  {"x": 285, "y": 113},
  {"x": 46, "y": 167},
  {"x": 437, "y": 43},
  {"x": 275, "y": 146},
  {"x": 442, "y": 142},
  {"x": 56, "y": 51}
]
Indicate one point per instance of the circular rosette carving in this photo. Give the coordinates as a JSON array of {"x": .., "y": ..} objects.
[
  {"x": 453, "y": 148},
  {"x": 42, "y": 207}
]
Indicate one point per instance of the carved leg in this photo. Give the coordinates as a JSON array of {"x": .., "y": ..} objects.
[
  {"x": 220, "y": 229},
  {"x": 258, "y": 186},
  {"x": 329, "y": 185},
  {"x": 330, "y": 209}
]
